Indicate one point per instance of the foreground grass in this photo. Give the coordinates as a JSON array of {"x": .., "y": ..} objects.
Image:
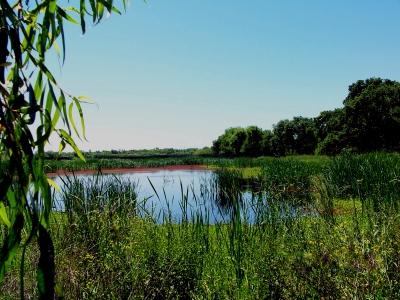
[{"x": 302, "y": 258}]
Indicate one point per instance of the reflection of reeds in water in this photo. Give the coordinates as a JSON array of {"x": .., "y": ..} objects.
[
  {"x": 228, "y": 187},
  {"x": 253, "y": 203}
]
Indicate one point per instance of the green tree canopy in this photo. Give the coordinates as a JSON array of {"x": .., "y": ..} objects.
[
  {"x": 296, "y": 136},
  {"x": 369, "y": 120},
  {"x": 372, "y": 115},
  {"x": 252, "y": 145},
  {"x": 330, "y": 131},
  {"x": 231, "y": 142},
  {"x": 237, "y": 141}
]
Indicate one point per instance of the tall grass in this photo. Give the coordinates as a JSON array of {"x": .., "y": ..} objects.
[
  {"x": 86, "y": 198},
  {"x": 107, "y": 250},
  {"x": 288, "y": 179},
  {"x": 373, "y": 178}
]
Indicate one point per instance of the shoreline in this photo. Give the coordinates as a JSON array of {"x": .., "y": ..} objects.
[{"x": 133, "y": 170}]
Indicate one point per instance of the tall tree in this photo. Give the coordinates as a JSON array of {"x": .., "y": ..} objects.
[
  {"x": 372, "y": 115},
  {"x": 30, "y": 93},
  {"x": 231, "y": 142},
  {"x": 330, "y": 131},
  {"x": 296, "y": 136},
  {"x": 267, "y": 147},
  {"x": 252, "y": 144},
  {"x": 369, "y": 120}
]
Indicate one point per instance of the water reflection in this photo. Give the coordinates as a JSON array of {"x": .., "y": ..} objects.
[{"x": 179, "y": 196}]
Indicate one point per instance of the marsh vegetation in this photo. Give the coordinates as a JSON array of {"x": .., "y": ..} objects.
[{"x": 343, "y": 242}]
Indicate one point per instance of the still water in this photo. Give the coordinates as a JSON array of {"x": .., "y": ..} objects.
[{"x": 187, "y": 195}]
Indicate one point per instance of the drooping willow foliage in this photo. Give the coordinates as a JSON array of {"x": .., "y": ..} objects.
[{"x": 33, "y": 107}]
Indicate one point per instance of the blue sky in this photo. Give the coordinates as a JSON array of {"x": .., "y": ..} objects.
[{"x": 176, "y": 74}]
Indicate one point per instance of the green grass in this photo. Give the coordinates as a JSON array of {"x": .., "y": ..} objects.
[
  {"x": 342, "y": 247},
  {"x": 116, "y": 163}
]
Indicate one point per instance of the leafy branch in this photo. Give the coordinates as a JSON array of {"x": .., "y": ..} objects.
[{"x": 32, "y": 105}]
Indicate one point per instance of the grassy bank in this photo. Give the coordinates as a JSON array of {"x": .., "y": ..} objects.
[
  {"x": 94, "y": 164},
  {"x": 116, "y": 163},
  {"x": 344, "y": 245}
]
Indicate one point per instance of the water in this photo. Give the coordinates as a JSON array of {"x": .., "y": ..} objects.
[{"x": 186, "y": 195}]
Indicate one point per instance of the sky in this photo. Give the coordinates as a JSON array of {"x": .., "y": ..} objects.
[{"x": 177, "y": 73}]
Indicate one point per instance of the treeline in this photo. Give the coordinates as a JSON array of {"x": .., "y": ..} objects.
[{"x": 368, "y": 121}]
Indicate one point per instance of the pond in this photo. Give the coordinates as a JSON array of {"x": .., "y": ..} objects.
[{"x": 182, "y": 195}]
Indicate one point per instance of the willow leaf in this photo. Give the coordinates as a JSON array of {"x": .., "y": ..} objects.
[
  {"x": 87, "y": 98},
  {"x": 61, "y": 147},
  {"x": 64, "y": 116},
  {"x": 45, "y": 31},
  {"x": 94, "y": 10},
  {"x": 107, "y": 4},
  {"x": 43, "y": 138},
  {"x": 114, "y": 9},
  {"x": 70, "y": 114},
  {"x": 46, "y": 196},
  {"x": 71, "y": 8},
  {"x": 64, "y": 135},
  {"x": 56, "y": 115},
  {"x": 82, "y": 14},
  {"x": 54, "y": 185},
  {"x": 11, "y": 198},
  {"x": 41, "y": 105},
  {"x": 63, "y": 41},
  {"x": 38, "y": 86},
  {"x": 60, "y": 13},
  {"x": 66, "y": 16},
  {"x": 78, "y": 106},
  {"x": 28, "y": 41},
  {"x": 3, "y": 214},
  {"x": 57, "y": 49},
  {"x": 10, "y": 245},
  {"x": 100, "y": 11},
  {"x": 51, "y": 98},
  {"x": 52, "y": 9}
]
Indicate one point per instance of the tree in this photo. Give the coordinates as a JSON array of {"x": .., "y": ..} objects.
[
  {"x": 252, "y": 144},
  {"x": 29, "y": 94},
  {"x": 231, "y": 142},
  {"x": 330, "y": 132},
  {"x": 267, "y": 148},
  {"x": 296, "y": 136},
  {"x": 281, "y": 141},
  {"x": 369, "y": 120},
  {"x": 372, "y": 115}
]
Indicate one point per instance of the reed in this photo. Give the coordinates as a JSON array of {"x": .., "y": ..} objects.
[
  {"x": 373, "y": 178},
  {"x": 288, "y": 179}
]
